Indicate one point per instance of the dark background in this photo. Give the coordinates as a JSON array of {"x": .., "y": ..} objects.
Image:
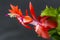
[{"x": 10, "y": 29}]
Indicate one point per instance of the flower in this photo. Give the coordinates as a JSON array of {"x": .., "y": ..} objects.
[{"x": 42, "y": 24}]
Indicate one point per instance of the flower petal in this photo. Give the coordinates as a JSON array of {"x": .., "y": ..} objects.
[
  {"x": 15, "y": 10},
  {"x": 40, "y": 30},
  {"x": 32, "y": 11}
]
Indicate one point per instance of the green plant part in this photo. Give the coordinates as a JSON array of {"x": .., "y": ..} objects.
[
  {"x": 58, "y": 27},
  {"x": 49, "y": 11}
]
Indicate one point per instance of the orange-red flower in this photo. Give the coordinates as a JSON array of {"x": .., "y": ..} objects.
[{"x": 41, "y": 24}]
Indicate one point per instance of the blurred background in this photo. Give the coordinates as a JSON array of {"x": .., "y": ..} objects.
[{"x": 10, "y": 29}]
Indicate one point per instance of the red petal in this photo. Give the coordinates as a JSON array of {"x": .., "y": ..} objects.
[
  {"x": 42, "y": 32},
  {"x": 25, "y": 25},
  {"x": 39, "y": 18},
  {"x": 32, "y": 11},
  {"x": 43, "y": 19},
  {"x": 26, "y": 12},
  {"x": 51, "y": 24},
  {"x": 12, "y": 7},
  {"x": 15, "y": 10},
  {"x": 20, "y": 12}
]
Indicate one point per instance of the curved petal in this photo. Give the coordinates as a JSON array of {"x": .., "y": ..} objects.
[
  {"x": 25, "y": 25},
  {"x": 32, "y": 11},
  {"x": 40, "y": 30}
]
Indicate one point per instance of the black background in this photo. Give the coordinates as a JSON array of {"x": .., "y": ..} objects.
[{"x": 10, "y": 29}]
